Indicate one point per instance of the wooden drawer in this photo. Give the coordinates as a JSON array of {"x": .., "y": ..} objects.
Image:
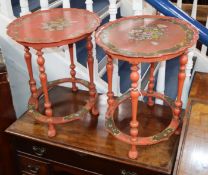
[
  {"x": 31, "y": 166},
  {"x": 62, "y": 169},
  {"x": 83, "y": 161}
]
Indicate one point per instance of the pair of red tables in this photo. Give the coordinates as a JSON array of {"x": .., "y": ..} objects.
[{"x": 135, "y": 39}]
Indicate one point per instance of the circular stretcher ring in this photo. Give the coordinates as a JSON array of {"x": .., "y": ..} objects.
[
  {"x": 33, "y": 105},
  {"x": 163, "y": 135}
]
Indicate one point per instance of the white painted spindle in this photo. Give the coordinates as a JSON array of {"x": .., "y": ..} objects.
[
  {"x": 116, "y": 78},
  {"x": 66, "y": 3},
  {"x": 189, "y": 64},
  {"x": 187, "y": 81},
  {"x": 89, "y": 5},
  {"x": 194, "y": 9},
  {"x": 112, "y": 9},
  {"x": 179, "y": 3},
  {"x": 161, "y": 81},
  {"x": 6, "y": 8},
  {"x": 44, "y": 4},
  {"x": 24, "y": 5},
  {"x": 138, "y": 6},
  {"x": 204, "y": 47}
]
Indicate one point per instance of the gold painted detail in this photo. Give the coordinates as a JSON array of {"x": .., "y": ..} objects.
[
  {"x": 147, "y": 33},
  {"x": 62, "y": 21},
  {"x": 123, "y": 97},
  {"x": 164, "y": 134},
  {"x": 109, "y": 124},
  {"x": 78, "y": 114},
  {"x": 31, "y": 108},
  {"x": 57, "y": 24},
  {"x": 170, "y": 101},
  {"x": 189, "y": 34}
]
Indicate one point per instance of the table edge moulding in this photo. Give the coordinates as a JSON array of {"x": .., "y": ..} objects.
[
  {"x": 39, "y": 43},
  {"x": 59, "y": 25},
  {"x": 145, "y": 58},
  {"x": 105, "y": 38}
]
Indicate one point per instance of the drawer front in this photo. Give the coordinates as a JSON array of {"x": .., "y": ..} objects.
[
  {"x": 105, "y": 166},
  {"x": 32, "y": 166},
  {"x": 60, "y": 169}
]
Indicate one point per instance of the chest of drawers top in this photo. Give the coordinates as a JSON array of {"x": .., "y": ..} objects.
[{"x": 89, "y": 139}]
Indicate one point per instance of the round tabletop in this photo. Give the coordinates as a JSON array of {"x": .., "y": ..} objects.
[
  {"x": 146, "y": 37},
  {"x": 53, "y": 26}
]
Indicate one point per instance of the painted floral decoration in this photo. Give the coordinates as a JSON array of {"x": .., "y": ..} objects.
[
  {"x": 57, "y": 24},
  {"x": 147, "y": 32}
]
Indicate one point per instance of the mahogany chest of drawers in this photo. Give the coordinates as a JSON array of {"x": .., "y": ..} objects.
[
  {"x": 84, "y": 147},
  {"x": 7, "y": 116}
]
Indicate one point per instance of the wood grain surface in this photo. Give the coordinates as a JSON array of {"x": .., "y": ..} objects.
[
  {"x": 193, "y": 157},
  {"x": 89, "y": 136}
]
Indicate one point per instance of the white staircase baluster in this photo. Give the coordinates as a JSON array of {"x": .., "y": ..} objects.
[
  {"x": 89, "y": 5},
  {"x": 194, "y": 9},
  {"x": 204, "y": 47},
  {"x": 6, "y": 8},
  {"x": 179, "y": 3},
  {"x": 24, "y": 5},
  {"x": 112, "y": 9},
  {"x": 138, "y": 6},
  {"x": 116, "y": 78},
  {"x": 161, "y": 81},
  {"x": 44, "y": 4},
  {"x": 187, "y": 81},
  {"x": 66, "y": 4},
  {"x": 189, "y": 64}
]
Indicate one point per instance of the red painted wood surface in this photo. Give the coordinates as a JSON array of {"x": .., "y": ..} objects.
[
  {"x": 56, "y": 26},
  {"x": 72, "y": 67},
  {"x": 145, "y": 39},
  {"x": 53, "y": 28},
  {"x": 85, "y": 144},
  {"x": 134, "y": 100},
  {"x": 90, "y": 62},
  {"x": 109, "y": 68},
  {"x": 151, "y": 84}
]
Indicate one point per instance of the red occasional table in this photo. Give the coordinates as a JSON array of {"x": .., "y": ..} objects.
[
  {"x": 146, "y": 39},
  {"x": 53, "y": 28}
]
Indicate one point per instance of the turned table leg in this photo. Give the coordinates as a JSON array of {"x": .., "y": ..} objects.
[
  {"x": 151, "y": 84},
  {"x": 72, "y": 67},
  {"x": 109, "y": 68},
  {"x": 181, "y": 79},
  {"x": 32, "y": 83},
  {"x": 90, "y": 62},
  {"x": 47, "y": 103},
  {"x": 134, "y": 76}
]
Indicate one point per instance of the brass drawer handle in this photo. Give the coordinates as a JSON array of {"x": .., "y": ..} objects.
[
  {"x": 124, "y": 172},
  {"x": 39, "y": 151},
  {"x": 33, "y": 169}
]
